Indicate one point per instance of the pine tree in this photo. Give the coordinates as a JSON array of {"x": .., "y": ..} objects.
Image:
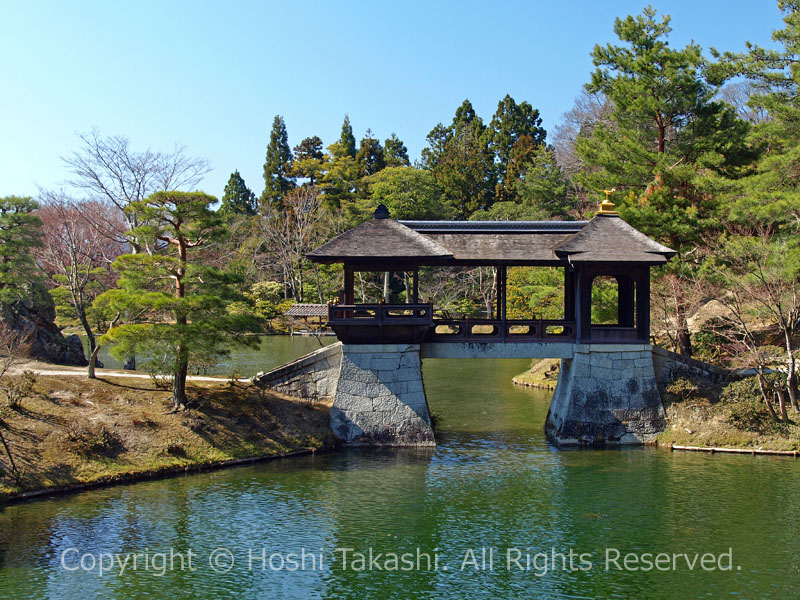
[
  {"x": 771, "y": 194},
  {"x": 395, "y": 152},
  {"x": 278, "y": 165},
  {"x": 665, "y": 140},
  {"x": 237, "y": 199},
  {"x": 182, "y": 304},
  {"x": 20, "y": 233},
  {"x": 309, "y": 160}
]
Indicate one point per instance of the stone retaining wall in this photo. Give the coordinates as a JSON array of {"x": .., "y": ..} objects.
[
  {"x": 312, "y": 376},
  {"x": 606, "y": 394},
  {"x": 380, "y": 399},
  {"x": 670, "y": 366}
]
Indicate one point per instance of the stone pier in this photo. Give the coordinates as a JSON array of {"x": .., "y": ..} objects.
[
  {"x": 606, "y": 394},
  {"x": 380, "y": 399}
]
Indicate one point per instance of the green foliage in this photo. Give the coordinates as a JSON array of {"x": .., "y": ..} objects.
[
  {"x": 309, "y": 160},
  {"x": 370, "y": 157},
  {"x": 666, "y": 139},
  {"x": 535, "y": 293},
  {"x": 179, "y": 307},
  {"x": 237, "y": 198},
  {"x": 395, "y": 152},
  {"x": 770, "y": 194},
  {"x": 19, "y": 234},
  {"x": 462, "y": 162},
  {"x": 605, "y": 295},
  {"x": 266, "y": 297},
  {"x": 339, "y": 182},
  {"x": 278, "y": 164},
  {"x": 408, "y": 193},
  {"x": 513, "y": 127},
  {"x": 347, "y": 141}
]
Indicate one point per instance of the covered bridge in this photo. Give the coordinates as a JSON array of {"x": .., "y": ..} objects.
[{"x": 584, "y": 250}]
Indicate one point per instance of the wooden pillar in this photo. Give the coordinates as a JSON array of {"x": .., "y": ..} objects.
[
  {"x": 583, "y": 303},
  {"x": 416, "y": 286},
  {"x": 625, "y": 301},
  {"x": 349, "y": 295},
  {"x": 569, "y": 293},
  {"x": 501, "y": 292},
  {"x": 643, "y": 304}
]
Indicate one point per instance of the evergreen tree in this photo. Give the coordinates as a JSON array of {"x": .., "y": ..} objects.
[
  {"x": 20, "y": 233},
  {"x": 338, "y": 184},
  {"x": 278, "y": 165},
  {"x": 309, "y": 160},
  {"x": 408, "y": 193},
  {"x": 370, "y": 156},
  {"x": 182, "y": 304},
  {"x": 665, "y": 140},
  {"x": 511, "y": 123},
  {"x": 347, "y": 141},
  {"x": 461, "y": 161},
  {"x": 771, "y": 194},
  {"x": 237, "y": 199},
  {"x": 395, "y": 152}
]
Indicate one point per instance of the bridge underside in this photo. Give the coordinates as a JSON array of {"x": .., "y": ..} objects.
[{"x": 606, "y": 394}]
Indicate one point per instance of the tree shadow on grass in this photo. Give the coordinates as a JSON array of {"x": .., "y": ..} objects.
[{"x": 111, "y": 382}]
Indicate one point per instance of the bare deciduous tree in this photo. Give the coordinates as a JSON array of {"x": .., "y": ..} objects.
[
  {"x": 291, "y": 231},
  {"x": 756, "y": 276},
  {"x": 72, "y": 253},
  {"x": 107, "y": 167}
]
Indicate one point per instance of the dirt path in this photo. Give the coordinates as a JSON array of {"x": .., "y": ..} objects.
[{"x": 42, "y": 368}]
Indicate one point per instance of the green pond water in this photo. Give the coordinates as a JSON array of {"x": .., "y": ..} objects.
[
  {"x": 492, "y": 490},
  {"x": 273, "y": 351}
]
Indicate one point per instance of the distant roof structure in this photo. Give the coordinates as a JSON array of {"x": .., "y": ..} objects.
[
  {"x": 307, "y": 310},
  {"x": 382, "y": 241}
]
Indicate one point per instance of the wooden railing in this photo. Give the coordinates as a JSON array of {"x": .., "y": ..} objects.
[
  {"x": 510, "y": 330},
  {"x": 380, "y": 314},
  {"x": 384, "y": 322}
]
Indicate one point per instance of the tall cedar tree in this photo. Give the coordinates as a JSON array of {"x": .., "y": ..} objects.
[
  {"x": 347, "y": 141},
  {"x": 370, "y": 156},
  {"x": 462, "y": 162},
  {"x": 181, "y": 303},
  {"x": 513, "y": 124},
  {"x": 278, "y": 166},
  {"x": 665, "y": 141},
  {"x": 237, "y": 198}
]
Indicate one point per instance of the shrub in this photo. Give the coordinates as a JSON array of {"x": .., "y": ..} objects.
[
  {"x": 20, "y": 388},
  {"x": 86, "y": 439}
]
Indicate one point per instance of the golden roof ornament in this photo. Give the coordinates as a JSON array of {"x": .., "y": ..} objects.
[{"x": 607, "y": 206}]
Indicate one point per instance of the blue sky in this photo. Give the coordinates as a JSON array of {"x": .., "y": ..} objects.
[{"x": 212, "y": 75}]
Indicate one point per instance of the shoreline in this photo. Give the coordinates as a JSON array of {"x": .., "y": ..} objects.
[
  {"x": 73, "y": 434},
  {"x": 167, "y": 472}
]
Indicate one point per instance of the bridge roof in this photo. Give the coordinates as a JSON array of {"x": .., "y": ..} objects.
[{"x": 382, "y": 241}]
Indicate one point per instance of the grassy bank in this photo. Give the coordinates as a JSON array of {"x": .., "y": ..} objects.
[
  {"x": 70, "y": 430},
  {"x": 543, "y": 374},
  {"x": 729, "y": 415}
]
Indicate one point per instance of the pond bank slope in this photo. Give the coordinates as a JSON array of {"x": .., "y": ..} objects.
[{"x": 72, "y": 432}]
